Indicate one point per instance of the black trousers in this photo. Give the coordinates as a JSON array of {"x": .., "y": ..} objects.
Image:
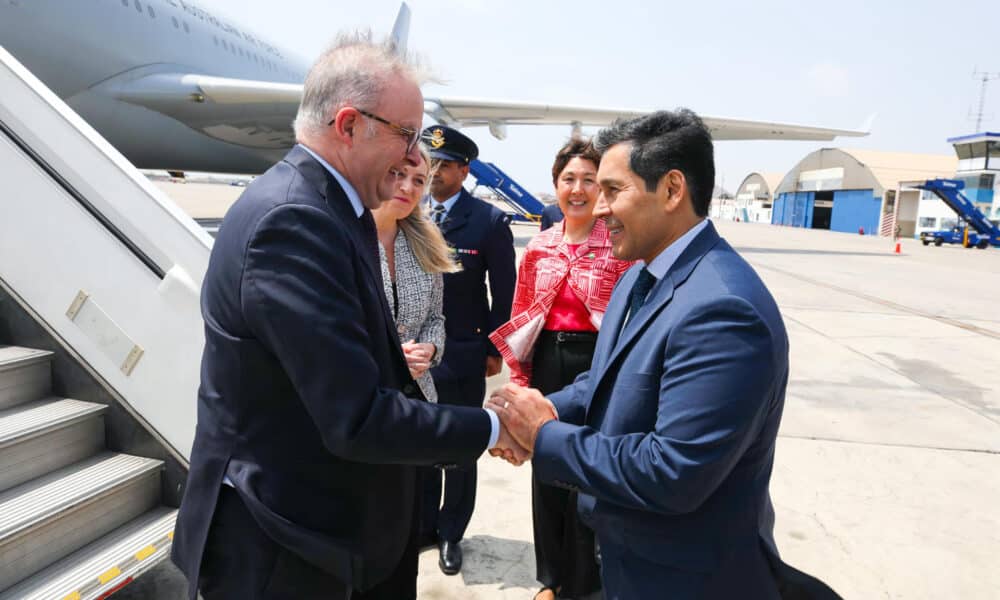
[
  {"x": 564, "y": 546},
  {"x": 241, "y": 561},
  {"x": 449, "y": 518}
]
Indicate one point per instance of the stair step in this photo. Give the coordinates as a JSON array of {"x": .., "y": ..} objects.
[
  {"x": 25, "y": 375},
  {"x": 105, "y": 564},
  {"x": 50, "y": 517},
  {"x": 39, "y": 437}
]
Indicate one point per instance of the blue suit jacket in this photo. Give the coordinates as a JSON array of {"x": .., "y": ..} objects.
[
  {"x": 480, "y": 236},
  {"x": 299, "y": 402},
  {"x": 670, "y": 436}
]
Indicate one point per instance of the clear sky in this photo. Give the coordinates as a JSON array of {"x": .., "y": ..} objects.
[{"x": 817, "y": 63}]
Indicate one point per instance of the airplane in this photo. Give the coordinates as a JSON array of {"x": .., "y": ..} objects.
[{"x": 173, "y": 86}]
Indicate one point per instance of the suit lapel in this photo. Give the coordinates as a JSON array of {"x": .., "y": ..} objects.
[
  {"x": 339, "y": 203},
  {"x": 458, "y": 216},
  {"x": 614, "y": 344}
]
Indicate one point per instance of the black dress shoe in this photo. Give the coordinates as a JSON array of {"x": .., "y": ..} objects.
[{"x": 451, "y": 558}]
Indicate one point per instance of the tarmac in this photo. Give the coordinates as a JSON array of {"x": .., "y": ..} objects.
[{"x": 887, "y": 474}]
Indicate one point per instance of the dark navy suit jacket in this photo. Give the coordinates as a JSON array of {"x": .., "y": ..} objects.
[
  {"x": 670, "y": 436},
  {"x": 551, "y": 215},
  {"x": 299, "y": 402},
  {"x": 480, "y": 236}
]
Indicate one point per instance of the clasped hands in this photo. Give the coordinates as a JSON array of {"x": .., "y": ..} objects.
[
  {"x": 418, "y": 357},
  {"x": 522, "y": 413}
]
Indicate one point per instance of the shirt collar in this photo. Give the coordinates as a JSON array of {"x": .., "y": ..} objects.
[
  {"x": 352, "y": 194},
  {"x": 666, "y": 259},
  {"x": 450, "y": 202},
  {"x": 598, "y": 237}
]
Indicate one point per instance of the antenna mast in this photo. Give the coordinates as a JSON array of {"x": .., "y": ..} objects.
[{"x": 985, "y": 79}]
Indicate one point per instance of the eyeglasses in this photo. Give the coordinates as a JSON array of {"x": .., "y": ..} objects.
[{"x": 412, "y": 135}]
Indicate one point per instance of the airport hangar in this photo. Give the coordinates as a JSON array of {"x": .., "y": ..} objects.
[
  {"x": 856, "y": 191},
  {"x": 753, "y": 200}
]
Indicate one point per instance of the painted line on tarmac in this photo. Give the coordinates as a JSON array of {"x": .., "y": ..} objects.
[
  {"x": 815, "y": 438},
  {"x": 839, "y": 341},
  {"x": 887, "y": 303}
]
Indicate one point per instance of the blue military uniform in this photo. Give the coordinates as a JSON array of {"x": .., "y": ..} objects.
[{"x": 480, "y": 236}]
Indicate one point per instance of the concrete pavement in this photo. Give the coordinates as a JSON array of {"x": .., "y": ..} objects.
[{"x": 887, "y": 476}]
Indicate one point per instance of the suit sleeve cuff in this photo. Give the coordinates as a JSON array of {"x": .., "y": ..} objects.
[
  {"x": 494, "y": 428},
  {"x": 550, "y": 444}
]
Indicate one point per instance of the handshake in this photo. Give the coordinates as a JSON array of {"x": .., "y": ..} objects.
[{"x": 522, "y": 413}]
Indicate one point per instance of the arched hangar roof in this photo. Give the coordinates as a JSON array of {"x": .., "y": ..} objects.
[{"x": 845, "y": 169}]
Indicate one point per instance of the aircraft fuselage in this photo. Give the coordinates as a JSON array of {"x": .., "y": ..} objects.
[{"x": 76, "y": 48}]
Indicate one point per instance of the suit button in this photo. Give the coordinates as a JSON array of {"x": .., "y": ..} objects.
[
  {"x": 409, "y": 390},
  {"x": 478, "y": 330}
]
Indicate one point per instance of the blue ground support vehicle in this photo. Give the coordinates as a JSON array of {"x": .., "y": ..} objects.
[
  {"x": 526, "y": 207},
  {"x": 955, "y": 235},
  {"x": 973, "y": 230}
]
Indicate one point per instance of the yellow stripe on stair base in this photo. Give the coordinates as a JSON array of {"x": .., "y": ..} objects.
[
  {"x": 73, "y": 596},
  {"x": 145, "y": 552},
  {"x": 109, "y": 575}
]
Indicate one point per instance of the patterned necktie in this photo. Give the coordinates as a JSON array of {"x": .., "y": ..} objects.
[
  {"x": 640, "y": 289},
  {"x": 438, "y": 212}
]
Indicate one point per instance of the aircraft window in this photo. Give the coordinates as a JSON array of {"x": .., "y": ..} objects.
[
  {"x": 186, "y": 28},
  {"x": 152, "y": 13},
  {"x": 215, "y": 39},
  {"x": 176, "y": 24},
  {"x": 138, "y": 6}
]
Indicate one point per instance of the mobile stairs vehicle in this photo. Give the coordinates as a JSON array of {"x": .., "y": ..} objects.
[
  {"x": 950, "y": 192},
  {"x": 526, "y": 207}
]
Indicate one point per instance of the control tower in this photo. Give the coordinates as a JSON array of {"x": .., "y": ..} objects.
[{"x": 979, "y": 168}]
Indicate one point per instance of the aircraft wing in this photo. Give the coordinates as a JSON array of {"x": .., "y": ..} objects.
[
  {"x": 497, "y": 115},
  {"x": 254, "y": 114},
  {"x": 259, "y": 114}
]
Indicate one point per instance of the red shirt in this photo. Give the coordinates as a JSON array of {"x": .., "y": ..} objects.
[
  {"x": 548, "y": 271},
  {"x": 568, "y": 312}
]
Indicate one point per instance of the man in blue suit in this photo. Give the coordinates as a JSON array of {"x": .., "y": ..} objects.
[
  {"x": 669, "y": 438},
  {"x": 479, "y": 235},
  {"x": 310, "y": 428}
]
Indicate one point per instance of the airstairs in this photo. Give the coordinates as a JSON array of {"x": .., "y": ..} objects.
[
  {"x": 950, "y": 192},
  {"x": 82, "y": 519},
  {"x": 525, "y": 206},
  {"x": 100, "y": 340}
]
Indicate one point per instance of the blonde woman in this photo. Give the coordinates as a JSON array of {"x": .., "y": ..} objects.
[{"x": 414, "y": 256}]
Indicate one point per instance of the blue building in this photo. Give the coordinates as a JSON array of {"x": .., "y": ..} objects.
[{"x": 855, "y": 191}]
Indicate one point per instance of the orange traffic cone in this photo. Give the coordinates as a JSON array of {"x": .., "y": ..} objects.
[{"x": 897, "y": 248}]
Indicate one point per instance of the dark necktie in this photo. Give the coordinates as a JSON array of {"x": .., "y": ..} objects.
[
  {"x": 370, "y": 235},
  {"x": 438, "y": 212},
  {"x": 640, "y": 289}
]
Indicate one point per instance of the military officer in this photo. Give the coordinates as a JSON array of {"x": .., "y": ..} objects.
[{"x": 480, "y": 236}]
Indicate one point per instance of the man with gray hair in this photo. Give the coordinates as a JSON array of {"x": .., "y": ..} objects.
[{"x": 310, "y": 427}]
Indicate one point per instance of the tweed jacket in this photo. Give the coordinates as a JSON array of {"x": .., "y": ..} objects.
[
  {"x": 418, "y": 315},
  {"x": 547, "y": 265}
]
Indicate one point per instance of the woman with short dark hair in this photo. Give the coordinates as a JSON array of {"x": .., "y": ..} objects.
[{"x": 564, "y": 284}]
